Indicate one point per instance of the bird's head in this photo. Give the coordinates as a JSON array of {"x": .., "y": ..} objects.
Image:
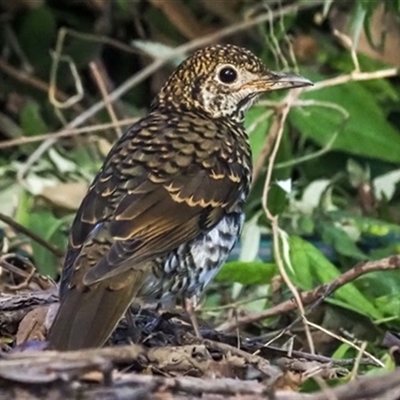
[{"x": 222, "y": 81}]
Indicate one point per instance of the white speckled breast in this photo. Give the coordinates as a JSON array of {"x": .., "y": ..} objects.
[{"x": 186, "y": 271}]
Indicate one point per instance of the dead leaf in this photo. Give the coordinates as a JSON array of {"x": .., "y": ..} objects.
[
  {"x": 190, "y": 360},
  {"x": 67, "y": 196},
  {"x": 32, "y": 326}
]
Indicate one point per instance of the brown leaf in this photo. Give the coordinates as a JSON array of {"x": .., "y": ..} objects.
[
  {"x": 67, "y": 196},
  {"x": 188, "y": 360},
  {"x": 32, "y": 326}
]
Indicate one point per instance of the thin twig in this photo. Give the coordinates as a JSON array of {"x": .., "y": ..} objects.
[
  {"x": 103, "y": 90},
  {"x": 266, "y": 149},
  {"x": 356, "y": 366},
  {"x": 322, "y": 291},
  {"x": 12, "y": 269},
  {"x": 277, "y": 233},
  {"x": 348, "y": 342},
  {"x": 18, "y": 227},
  {"x": 348, "y": 43},
  {"x": 354, "y": 76},
  {"x": 101, "y": 39},
  {"x": 57, "y": 57},
  {"x": 13, "y": 41},
  {"x": 34, "y": 82},
  {"x": 65, "y": 133}
]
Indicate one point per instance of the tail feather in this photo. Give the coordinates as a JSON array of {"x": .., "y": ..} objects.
[{"x": 87, "y": 318}]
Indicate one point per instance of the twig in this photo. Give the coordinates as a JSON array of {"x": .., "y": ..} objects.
[
  {"x": 316, "y": 357},
  {"x": 256, "y": 361},
  {"x": 356, "y": 366},
  {"x": 354, "y": 76},
  {"x": 13, "y": 41},
  {"x": 22, "y": 300},
  {"x": 103, "y": 90},
  {"x": 347, "y": 42},
  {"x": 12, "y": 268},
  {"x": 157, "y": 64},
  {"x": 43, "y": 375},
  {"x": 57, "y": 57},
  {"x": 18, "y": 227},
  {"x": 100, "y": 39},
  {"x": 28, "y": 277},
  {"x": 278, "y": 235},
  {"x": 65, "y": 133},
  {"x": 322, "y": 291},
  {"x": 17, "y": 271},
  {"x": 232, "y": 305},
  {"x": 34, "y": 82},
  {"x": 266, "y": 149},
  {"x": 349, "y": 343}
]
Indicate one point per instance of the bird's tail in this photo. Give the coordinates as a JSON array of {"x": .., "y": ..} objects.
[{"x": 86, "y": 318}]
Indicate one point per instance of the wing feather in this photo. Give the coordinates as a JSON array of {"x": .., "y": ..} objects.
[{"x": 148, "y": 206}]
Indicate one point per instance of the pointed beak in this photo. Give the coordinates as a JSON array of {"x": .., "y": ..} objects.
[{"x": 279, "y": 80}]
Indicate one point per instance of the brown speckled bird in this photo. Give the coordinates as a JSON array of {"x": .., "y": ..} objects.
[{"x": 166, "y": 208}]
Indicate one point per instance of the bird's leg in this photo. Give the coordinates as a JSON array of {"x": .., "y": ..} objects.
[
  {"x": 132, "y": 323},
  {"x": 189, "y": 304}
]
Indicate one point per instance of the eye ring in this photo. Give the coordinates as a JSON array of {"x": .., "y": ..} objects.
[{"x": 227, "y": 74}]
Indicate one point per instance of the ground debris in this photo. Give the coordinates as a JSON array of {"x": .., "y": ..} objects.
[{"x": 167, "y": 363}]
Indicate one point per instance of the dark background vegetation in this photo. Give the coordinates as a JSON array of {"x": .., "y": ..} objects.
[{"x": 340, "y": 144}]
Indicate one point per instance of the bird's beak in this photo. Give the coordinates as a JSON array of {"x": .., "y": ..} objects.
[{"x": 279, "y": 80}]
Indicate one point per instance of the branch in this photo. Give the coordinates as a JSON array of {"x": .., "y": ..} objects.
[
  {"x": 66, "y": 133},
  {"x": 354, "y": 76},
  {"x": 32, "y": 235},
  {"x": 320, "y": 292}
]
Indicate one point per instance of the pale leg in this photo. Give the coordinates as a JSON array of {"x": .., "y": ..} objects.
[{"x": 189, "y": 305}]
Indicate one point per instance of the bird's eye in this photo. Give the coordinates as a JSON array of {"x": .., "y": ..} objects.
[{"x": 227, "y": 75}]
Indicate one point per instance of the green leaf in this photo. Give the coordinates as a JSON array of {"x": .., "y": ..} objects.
[
  {"x": 250, "y": 240},
  {"x": 389, "y": 305},
  {"x": 365, "y": 133},
  {"x": 341, "y": 351},
  {"x": 369, "y": 228},
  {"x": 257, "y": 125},
  {"x": 327, "y": 7},
  {"x": 311, "y": 267},
  {"x": 31, "y": 120},
  {"x": 124, "y": 6},
  {"x": 47, "y": 226},
  {"x": 340, "y": 241},
  {"x": 247, "y": 273},
  {"x": 357, "y": 23},
  {"x": 381, "y": 283},
  {"x": 37, "y": 35}
]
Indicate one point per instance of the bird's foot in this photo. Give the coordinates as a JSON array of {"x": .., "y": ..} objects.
[{"x": 189, "y": 305}]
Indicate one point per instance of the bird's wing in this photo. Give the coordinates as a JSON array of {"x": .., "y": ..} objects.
[{"x": 155, "y": 193}]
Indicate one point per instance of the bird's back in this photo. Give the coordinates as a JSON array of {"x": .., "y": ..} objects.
[{"x": 171, "y": 176}]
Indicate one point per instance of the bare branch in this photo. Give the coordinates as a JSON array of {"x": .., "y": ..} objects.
[{"x": 320, "y": 292}]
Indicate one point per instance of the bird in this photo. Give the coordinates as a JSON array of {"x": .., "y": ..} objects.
[{"x": 167, "y": 206}]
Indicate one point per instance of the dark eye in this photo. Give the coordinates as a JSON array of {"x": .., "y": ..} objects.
[{"x": 227, "y": 75}]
